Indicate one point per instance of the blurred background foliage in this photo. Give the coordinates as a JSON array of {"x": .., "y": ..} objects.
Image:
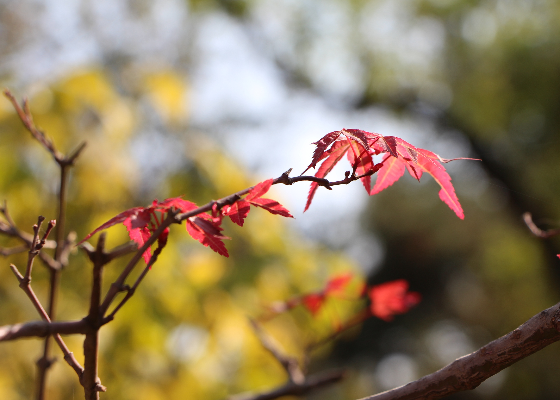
[{"x": 204, "y": 98}]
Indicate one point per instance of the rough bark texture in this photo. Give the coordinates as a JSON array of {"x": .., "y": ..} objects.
[{"x": 469, "y": 371}]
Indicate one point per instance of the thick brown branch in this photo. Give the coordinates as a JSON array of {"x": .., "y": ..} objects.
[
  {"x": 91, "y": 382},
  {"x": 468, "y": 372}
]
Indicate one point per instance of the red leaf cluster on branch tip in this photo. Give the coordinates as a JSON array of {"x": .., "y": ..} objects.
[
  {"x": 360, "y": 147},
  {"x": 386, "y": 300},
  {"x": 391, "y": 298},
  {"x": 142, "y": 222}
]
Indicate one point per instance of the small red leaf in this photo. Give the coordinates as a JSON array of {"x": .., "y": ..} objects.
[
  {"x": 115, "y": 220},
  {"x": 322, "y": 145},
  {"x": 176, "y": 202},
  {"x": 238, "y": 211},
  {"x": 336, "y": 152},
  {"x": 207, "y": 233},
  {"x": 389, "y": 145},
  {"x": 259, "y": 190},
  {"x": 362, "y": 161},
  {"x": 392, "y": 298},
  {"x": 429, "y": 164},
  {"x": 358, "y": 136},
  {"x": 313, "y": 302},
  {"x": 139, "y": 236},
  {"x": 336, "y": 284},
  {"x": 272, "y": 206},
  {"x": 389, "y": 173}
]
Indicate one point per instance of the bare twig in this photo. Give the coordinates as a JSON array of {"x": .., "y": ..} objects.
[
  {"x": 311, "y": 383},
  {"x": 25, "y": 285},
  {"x": 27, "y": 119},
  {"x": 8, "y": 251},
  {"x": 290, "y": 364},
  {"x": 119, "y": 284},
  {"x": 61, "y": 251},
  {"x": 298, "y": 384},
  {"x": 353, "y": 322},
  {"x": 42, "y": 329},
  {"x": 528, "y": 218},
  {"x": 131, "y": 290},
  {"x": 469, "y": 371},
  {"x": 9, "y": 228}
]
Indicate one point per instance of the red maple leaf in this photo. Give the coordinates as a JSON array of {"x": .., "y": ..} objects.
[
  {"x": 142, "y": 222},
  {"x": 391, "y": 298},
  {"x": 360, "y": 147},
  {"x": 337, "y": 283},
  {"x": 333, "y": 156},
  {"x": 204, "y": 229},
  {"x": 389, "y": 173},
  {"x": 314, "y": 301},
  {"x": 240, "y": 209}
]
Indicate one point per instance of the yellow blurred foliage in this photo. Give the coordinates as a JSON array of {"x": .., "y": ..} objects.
[
  {"x": 167, "y": 91},
  {"x": 203, "y": 270},
  {"x": 190, "y": 287}
]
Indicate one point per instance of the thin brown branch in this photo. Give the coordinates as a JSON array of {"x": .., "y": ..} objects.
[
  {"x": 528, "y": 218},
  {"x": 91, "y": 382},
  {"x": 27, "y": 120},
  {"x": 469, "y": 371},
  {"x": 45, "y": 362},
  {"x": 352, "y": 323},
  {"x": 36, "y": 244},
  {"x": 290, "y": 364},
  {"x": 119, "y": 285},
  {"x": 131, "y": 290},
  {"x": 68, "y": 355},
  {"x": 284, "y": 179},
  {"x": 9, "y": 228},
  {"x": 310, "y": 384},
  {"x": 42, "y": 329},
  {"x": 8, "y": 251}
]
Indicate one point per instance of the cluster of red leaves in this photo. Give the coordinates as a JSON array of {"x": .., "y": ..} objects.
[
  {"x": 391, "y": 298},
  {"x": 386, "y": 300},
  {"x": 314, "y": 301},
  {"x": 142, "y": 222},
  {"x": 360, "y": 147}
]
